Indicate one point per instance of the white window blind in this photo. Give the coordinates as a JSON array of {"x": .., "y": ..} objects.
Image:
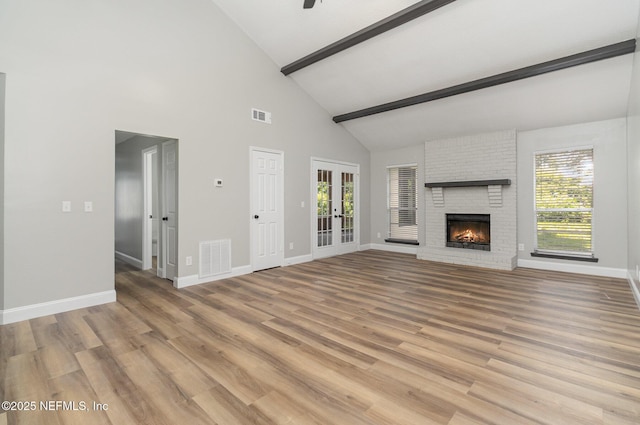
[
  {"x": 403, "y": 204},
  {"x": 564, "y": 201}
]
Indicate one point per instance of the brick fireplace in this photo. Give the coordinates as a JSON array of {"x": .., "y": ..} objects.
[{"x": 472, "y": 178}]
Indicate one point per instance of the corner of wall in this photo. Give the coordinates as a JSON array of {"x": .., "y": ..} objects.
[
  {"x": 2, "y": 95},
  {"x": 635, "y": 288}
]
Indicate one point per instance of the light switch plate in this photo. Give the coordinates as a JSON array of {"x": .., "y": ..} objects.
[{"x": 66, "y": 206}]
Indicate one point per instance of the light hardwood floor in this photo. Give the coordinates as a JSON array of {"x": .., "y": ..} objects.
[{"x": 366, "y": 338}]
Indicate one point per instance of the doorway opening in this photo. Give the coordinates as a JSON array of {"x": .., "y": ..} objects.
[{"x": 146, "y": 206}]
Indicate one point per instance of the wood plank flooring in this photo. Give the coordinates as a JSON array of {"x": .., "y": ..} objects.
[{"x": 366, "y": 338}]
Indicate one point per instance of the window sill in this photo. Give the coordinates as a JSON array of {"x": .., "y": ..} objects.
[
  {"x": 565, "y": 257},
  {"x": 402, "y": 241}
]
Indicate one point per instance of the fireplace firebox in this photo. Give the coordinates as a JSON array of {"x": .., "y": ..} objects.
[{"x": 469, "y": 231}]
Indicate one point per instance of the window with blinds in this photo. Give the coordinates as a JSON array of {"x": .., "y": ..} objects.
[
  {"x": 402, "y": 208},
  {"x": 564, "y": 201}
]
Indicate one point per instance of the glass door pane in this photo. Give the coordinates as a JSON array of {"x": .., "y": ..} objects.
[
  {"x": 324, "y": 207},
  {"x": 347, "y": 214}
]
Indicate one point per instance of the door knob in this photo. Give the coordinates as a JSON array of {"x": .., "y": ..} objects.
[
  {"x": 256, "y": 216},
  {"x": 165, "y": 218}
]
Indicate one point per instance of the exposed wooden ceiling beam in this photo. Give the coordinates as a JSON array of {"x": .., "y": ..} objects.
[
  {"x": 412, "y": 12},
  {"x": 606, "y": 52}
]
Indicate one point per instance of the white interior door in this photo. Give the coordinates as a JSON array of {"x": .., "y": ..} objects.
[
  {"x": 170, "y": 209},
  {"x": 267, "y": 203},
  {"x": 336, "y": 219},
  {"x": 149, "y": 167}
]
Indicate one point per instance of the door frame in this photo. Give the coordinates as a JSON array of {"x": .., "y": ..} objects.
[
  {"x": 313, "y": 204},
  {"x": 252, "y": 207}
]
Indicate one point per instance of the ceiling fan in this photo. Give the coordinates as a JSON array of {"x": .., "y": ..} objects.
[{"x": 308, "y": 4}]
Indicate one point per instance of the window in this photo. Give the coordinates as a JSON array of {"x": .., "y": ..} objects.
[
  {"x": 403, "y": 204},
  {"x": 564, "y": 202}
]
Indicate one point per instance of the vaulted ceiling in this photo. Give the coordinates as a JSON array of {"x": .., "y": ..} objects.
[{"x": 459, "y": 42}]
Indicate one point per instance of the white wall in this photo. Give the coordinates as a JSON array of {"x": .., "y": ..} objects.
[
  {"x": 608, "y": 139},
  {"x": 633, "y": 165},
  {"x": 76, "y": 71},
  {"x": 378, "y": 178}
]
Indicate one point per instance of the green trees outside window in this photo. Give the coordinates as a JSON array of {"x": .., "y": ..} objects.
[{"x": 564, "y": 201}]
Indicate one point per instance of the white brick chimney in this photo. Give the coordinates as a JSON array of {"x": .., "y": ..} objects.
[{"x": 475, "y": 162}]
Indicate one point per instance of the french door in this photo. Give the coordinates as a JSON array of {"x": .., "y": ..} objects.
[{"x": 335, "y": 219}]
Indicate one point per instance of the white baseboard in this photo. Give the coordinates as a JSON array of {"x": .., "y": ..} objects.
[
  {"x": 129, "y": 259},
  {"x": 404, "y": 249},
  {"x": 183, "y": 282},
  {"x": 19, "y": 314},
  {"x": 634, "y": 289},
  {"x": 573, "y": 268},
  {"x": 298, "y": 260}
]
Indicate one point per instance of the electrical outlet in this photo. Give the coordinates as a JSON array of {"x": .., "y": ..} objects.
[
  {"x": 189, "y": 261},
  {"x": 66, "y": 206},
  {"x": 88, "y": 206},
  {"x": 378, "y": 235},
  {"x": 301, "y": 204},
  {"x": 520, "y": 247},
  {"x": 290, "y": 245}
]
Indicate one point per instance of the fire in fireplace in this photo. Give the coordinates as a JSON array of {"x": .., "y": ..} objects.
[{"x": 470, "y": 231}]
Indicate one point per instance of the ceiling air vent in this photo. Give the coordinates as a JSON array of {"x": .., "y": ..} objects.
[{"x": 262, "y": 116}]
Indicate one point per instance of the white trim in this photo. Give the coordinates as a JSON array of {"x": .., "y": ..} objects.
[
  {"x": 135, "y": 262},
  {"x": 298, "y": 260},
  {"x": 183, "y": 282},
  {"x": 634, "y": 289},
  {"x": 335, "y": 161},
  {"x": 413, "y": 164},
  {"x": 564, "y": 149},
  {"x": 18, "y": 314},
  {"x": 574, "y": 268},
  {"x": 194, "y": 279},
  {"x": 404, "y": 249}
]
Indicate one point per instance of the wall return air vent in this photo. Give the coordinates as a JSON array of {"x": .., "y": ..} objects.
[
  {"x": 215, "y": 257},
  {"x": 262, "y": 116}
]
